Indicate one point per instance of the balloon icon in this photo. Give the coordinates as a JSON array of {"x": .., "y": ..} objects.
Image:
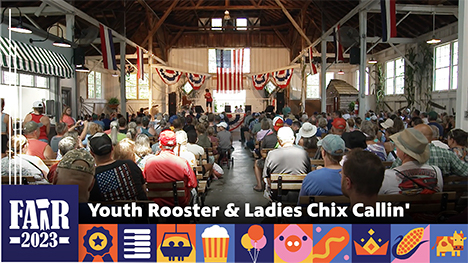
[
  {"x": 255, "y": 232},
  {"x": 259, "y": 244},
  {"x": 246, "y": 242}
]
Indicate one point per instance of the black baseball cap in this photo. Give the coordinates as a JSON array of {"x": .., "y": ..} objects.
[{"x": 100, "y": 144}]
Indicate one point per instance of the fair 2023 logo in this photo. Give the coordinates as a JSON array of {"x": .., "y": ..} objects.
[{"x": 39, "y": 223}]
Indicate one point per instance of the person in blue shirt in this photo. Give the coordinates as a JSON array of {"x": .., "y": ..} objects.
[{"x": 326, "y": 180}]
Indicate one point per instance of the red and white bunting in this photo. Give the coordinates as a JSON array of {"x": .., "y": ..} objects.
[
  {"x": 170, "y": 77},
  {"x": 282, "y": 77},
  {"x": 196, "y": 80},
  {"x": 260, "y": 80}
]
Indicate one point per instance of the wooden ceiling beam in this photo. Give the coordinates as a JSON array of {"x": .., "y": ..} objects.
[
  {"x": 234, "y": 7},
  {"x": 280, "y": 36},
  {"x": 160, "y": 22},
  {"x": 298, "y": 28}
]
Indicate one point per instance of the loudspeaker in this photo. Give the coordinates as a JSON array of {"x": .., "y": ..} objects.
[
  {"x": 279, "y": 102},
  {"x": 51, "y": 107},
  {"x": 248, "y": 108},
  {"x": 172, "y": 103},
  {"x": 270, "y": 108},
  {"x": 227, "y": 108},
  {"x": 199, "y": 109},
  {"x": 354, "y": 56},
  {"x": 79, "y": 55}
]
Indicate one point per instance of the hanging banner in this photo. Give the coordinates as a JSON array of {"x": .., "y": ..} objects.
[
  {"x": 170, "y": 77},
  {"x": 196, "y": 80},
  {"x": 282, "y": 77},
  {"x": 313, "y": 68},
  {"x": 260, "y": 80}
]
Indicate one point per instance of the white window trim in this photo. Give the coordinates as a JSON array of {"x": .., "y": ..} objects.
[
  {"x": 450, "y": 66},
  {"x": 87, "y": 86},
  {"x": 394, "y": 77}
]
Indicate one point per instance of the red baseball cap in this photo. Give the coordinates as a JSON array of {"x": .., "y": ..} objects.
[
  {"x": 167, "y": 138},
  {"x": 339, "y": 123},
  {"x": 278, "y": 123}
]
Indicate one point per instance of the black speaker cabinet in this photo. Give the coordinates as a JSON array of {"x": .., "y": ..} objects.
[
  {"x": 172, "y": 103},
  {"x": 248, "y": 108},
  {"x": 227, "y": 108},
  {"x": 279, "y": 102},
  {"x": 354, "y": 56},
  {"x": 199, "y": 109}
]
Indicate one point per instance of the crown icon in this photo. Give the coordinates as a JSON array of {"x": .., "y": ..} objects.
[{"x": 371, "y": 247}]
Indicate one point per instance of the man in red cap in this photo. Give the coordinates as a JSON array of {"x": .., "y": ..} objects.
[
  {"x": 168, "y": 167},
  {"x": 338, "y": 126}
]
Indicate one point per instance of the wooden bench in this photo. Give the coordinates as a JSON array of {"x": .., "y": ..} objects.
[
  {"x": 458, "y": 184},
  {"x": 49, "y": 163},
  {"x": 25, "y": 180},
  {"x": 166, "y": 190},
  {"x": 290, "y": 182},
  {"x": 431, "y": 203},
  {"x": 317, "y": 162}
]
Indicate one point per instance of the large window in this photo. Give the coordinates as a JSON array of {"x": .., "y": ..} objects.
[
  {"x": 241, "y": 23},
  {"x": 366, "y": 80},
  {"x": 212, "y": 60},
  {"x": 216, "y": 23},
  {"x": 21, "y": 90},
  {"x": 446, "y": 66},
  {"x": 136, "y": 89},
  {"x": 395, "y": 76},
  {"x": 313, "y": 86},
  {"x": 94, "y": 85}
]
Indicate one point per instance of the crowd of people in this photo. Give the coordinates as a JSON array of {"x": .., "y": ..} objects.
[{"x": 122, "y": 153}]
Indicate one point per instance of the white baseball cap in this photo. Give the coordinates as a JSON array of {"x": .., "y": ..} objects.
[{"x": 38, "y": 104}]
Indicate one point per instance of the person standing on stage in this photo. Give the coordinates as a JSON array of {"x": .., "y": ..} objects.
[{"x": 209, "y": 101}]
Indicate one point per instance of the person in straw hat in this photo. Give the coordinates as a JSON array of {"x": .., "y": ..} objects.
[{"x": 413, "y": 176}]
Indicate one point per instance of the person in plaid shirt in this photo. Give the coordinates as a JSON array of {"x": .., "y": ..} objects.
[{"x": 447, "y": 161}]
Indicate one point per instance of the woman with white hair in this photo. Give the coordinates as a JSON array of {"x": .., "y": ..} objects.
[{"x": 181, "y": 148}]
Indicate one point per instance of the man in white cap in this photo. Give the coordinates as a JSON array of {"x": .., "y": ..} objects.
[
  {"x": 287, "y": 159},
  {"x": 413, "y": 176},
  {"x": 38, "y": 117}
]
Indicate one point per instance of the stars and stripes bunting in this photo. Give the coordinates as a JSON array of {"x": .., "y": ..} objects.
[
  {"x": 169, "y": 76},
  {"x": 196, "y": 80},
  {"x": 229, "y": 65},
  {"x": 282, "y": 77},
  {"x": 260, "y": 80},
  {"x": 107, "y": 48},
  {"x": 388, "y": 13}
]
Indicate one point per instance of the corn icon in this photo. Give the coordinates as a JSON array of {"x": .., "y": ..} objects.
[{"x": 408, "y": 244}]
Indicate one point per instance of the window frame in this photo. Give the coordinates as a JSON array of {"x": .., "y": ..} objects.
[
  {"x": 450, "y": 66},
  {"x": 367, "y": 86},
  {"x": 394, "y": 77},
  {"x": 95, "y": 85},
  {"x": 18, "y": 79},
  {"x": 137, "y": 87}
]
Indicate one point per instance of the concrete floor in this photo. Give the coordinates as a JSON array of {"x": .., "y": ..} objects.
[{"x": 235, "y": 187}]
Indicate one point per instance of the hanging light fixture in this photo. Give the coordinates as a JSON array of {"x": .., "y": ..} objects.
[
  {"x": 434, "y": 40},
  {"x": 115, "y": 74},
  {"x": 372, "y": 61},
  {"x": 341, "y": 72},
  {"x": 81, "y": 68},
  {"x": 18, "y": 28},
  {"x": 226, "y": 15},
  {"x": 58, "y": 43}
]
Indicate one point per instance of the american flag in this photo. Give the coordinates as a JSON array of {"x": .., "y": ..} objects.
[
  {"x": 117, "y": 184},
  {"x": 229, "y": 64}
]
